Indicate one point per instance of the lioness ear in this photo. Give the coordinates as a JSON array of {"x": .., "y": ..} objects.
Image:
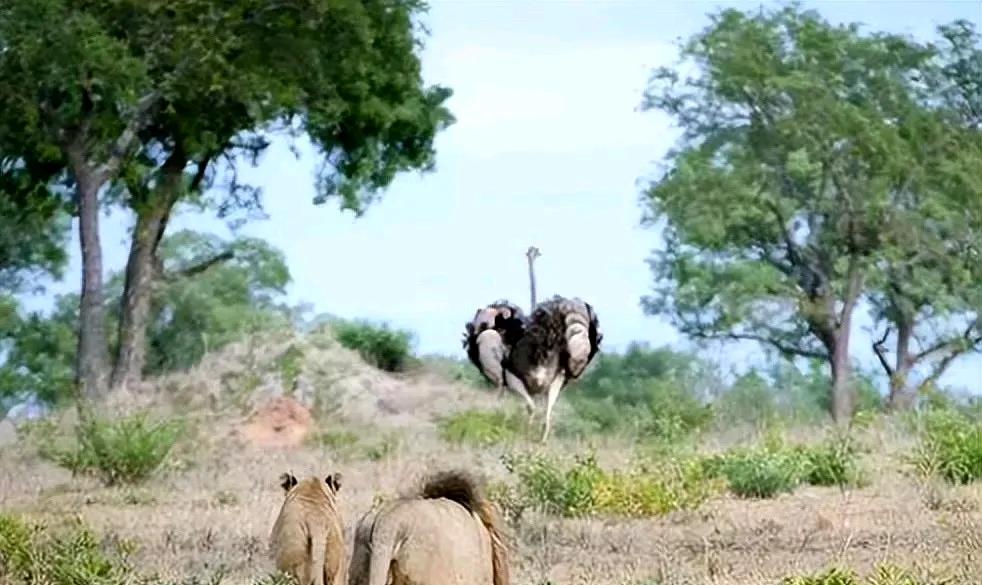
[
  {"x": 287, "y": 481},
  {"x": 333, "y": 481}
]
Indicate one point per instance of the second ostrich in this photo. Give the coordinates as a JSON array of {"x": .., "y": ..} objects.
[{"x": 537, "y": 355}]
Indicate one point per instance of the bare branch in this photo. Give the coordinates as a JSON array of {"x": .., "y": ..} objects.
[
  {"x": 880, "y": 355},
  {"x": 785, "y": 349},
  {"x": 200, "y": 267},
  {"x": 959, "y": 345}
]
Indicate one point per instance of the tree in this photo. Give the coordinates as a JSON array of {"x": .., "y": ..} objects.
[
  {"x": 775, "y": 200},
  {"x": 927, "y": 294},
  {"x": 193, "y": 310},
  {"x": 72, "y": 97},
  {"x": 220, "y": 80}
]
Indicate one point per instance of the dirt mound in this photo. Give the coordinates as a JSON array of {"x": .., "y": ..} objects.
[
  {"x": 271, "y": 378},
  {"x": 281, "y": 422}
]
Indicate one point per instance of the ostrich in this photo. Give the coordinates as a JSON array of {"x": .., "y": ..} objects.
[{"x": 534, "y": 356}]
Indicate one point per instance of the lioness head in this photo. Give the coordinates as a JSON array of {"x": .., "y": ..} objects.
[{"x": 333, "y": 481}]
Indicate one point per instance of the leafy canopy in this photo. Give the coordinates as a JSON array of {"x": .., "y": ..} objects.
[{"x": 798, "y": 137}]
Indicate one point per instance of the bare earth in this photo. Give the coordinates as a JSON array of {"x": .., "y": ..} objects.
[{"x": 215, "y": 506}]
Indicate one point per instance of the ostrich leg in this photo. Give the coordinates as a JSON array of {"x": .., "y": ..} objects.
[
  {"x": 551, "y": 397},
  {"x": 515, "y": 385}
]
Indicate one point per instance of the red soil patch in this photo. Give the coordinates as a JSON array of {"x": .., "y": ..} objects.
[{"x": 281, "y": 422}]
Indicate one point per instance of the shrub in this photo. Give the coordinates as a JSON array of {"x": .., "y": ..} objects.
[
  {"x": 585, "y": 489},
  {"x": 883, "y": 575},
  {"x": 761, "y": 473},
  {"x": 950, "y": 446},
  {"x": 127, "y": 450},
  {"x": 69, "y": 558},
  {"x": 776, "y": 467},
  {"x": 482, "y": 427},
  {"x": 832, "y": 463},
  {"x": 387, "y": 349}
]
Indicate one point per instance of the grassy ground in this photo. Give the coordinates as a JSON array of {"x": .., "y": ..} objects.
[{"x": 213, "y": 507}]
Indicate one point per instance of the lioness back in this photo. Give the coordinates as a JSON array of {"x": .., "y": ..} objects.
[{"x": 307, "y": 539}]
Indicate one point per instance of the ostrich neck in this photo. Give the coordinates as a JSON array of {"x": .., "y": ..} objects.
[{"x": 531, "y": 285}]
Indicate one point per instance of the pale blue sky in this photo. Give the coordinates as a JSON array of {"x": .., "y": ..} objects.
[{"x": 547, "y": 150}]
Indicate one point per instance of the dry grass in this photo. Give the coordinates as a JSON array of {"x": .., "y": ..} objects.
[{"x": 217, "y": 512}]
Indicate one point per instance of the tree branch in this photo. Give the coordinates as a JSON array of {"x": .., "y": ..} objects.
[
  {"x": 786, "y": 350},
  {"x": 878, "y": 350},
  {"x": 954, "y": 344},
  {"x": 128, "y": 136},
  {"x": 200, "y": 266},
  {"x": 853, "y": 289}
]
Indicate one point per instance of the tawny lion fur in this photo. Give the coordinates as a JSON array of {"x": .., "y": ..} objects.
[
  {"x": 447, "y": 534},
  {"x": 307, "y": 540}
]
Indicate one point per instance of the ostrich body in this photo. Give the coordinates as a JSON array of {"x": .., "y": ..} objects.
[{"x": 534, "y": 356}]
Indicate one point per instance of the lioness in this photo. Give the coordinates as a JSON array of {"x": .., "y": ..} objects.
[
  {"x": 307, "y": 540},
  {"x": 445, "y": 535}
]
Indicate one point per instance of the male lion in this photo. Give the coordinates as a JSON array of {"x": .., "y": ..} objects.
[
  {"x": 445, "y": 535},
  {"x": 307, "y": 540}
]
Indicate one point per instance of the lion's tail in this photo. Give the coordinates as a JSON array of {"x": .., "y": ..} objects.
[{"x": 459, "y": 487}]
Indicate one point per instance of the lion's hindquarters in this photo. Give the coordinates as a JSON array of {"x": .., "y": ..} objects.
[
  {"x": 437, "y": 542},
  {"x": 307, "y": 540}
]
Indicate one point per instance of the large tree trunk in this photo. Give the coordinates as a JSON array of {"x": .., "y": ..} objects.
[
  {"x": 901, "y": 397},
  {"x": 135, "y": 304},
  {"x": 837, "y": 344},
  {"x": 93, "y": 352},
  {"x": 151, "y": 222},
  {"x": 842, "y": 399}
]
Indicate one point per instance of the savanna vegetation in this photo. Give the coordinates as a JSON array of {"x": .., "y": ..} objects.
[{"x": 822, "y": 171}]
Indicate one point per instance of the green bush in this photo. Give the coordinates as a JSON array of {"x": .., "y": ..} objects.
[
  {"x": 585, "y": 489},
  {"x": 34, "y": 556},
  {"x": 387, "y": 349},
  {"x": 832, "y": 463},
  {"x": 482, "y": 427},
  {"x": 950, "y": 446},
  {"x": 127, "y": 450},
  {"x": 760, "y": 473},
  {"x": 776, "y": 467},
  {"x": 883, "y": 575}
]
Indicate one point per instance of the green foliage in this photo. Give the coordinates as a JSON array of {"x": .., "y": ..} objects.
[
  {"x": 585, "y": 489},
  {"x": 883, "y": 575},
  {"x": 658, "y": 393},
  {"x": 482, "y": 427},
  {"x": 950, "y": 446},
  {"x": 776, "y": 467},
  {"x": 41, "y": 352},
  {"x": 386, "y": 348},
  {"x": 31, "y": 555},
  {"x": 127, "y": 450},
  {"x": 194, "y": 314},
  {"x": 802, "y": 171},
  {"x": 832, "y": 463},
  {"x": 33, "y": 229},
  {"x": 337, "y": 440},
  {"x": 761, "y": 473},
  {"x": 191, "y": 314},
  {"x": 784, "y": 393}
]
